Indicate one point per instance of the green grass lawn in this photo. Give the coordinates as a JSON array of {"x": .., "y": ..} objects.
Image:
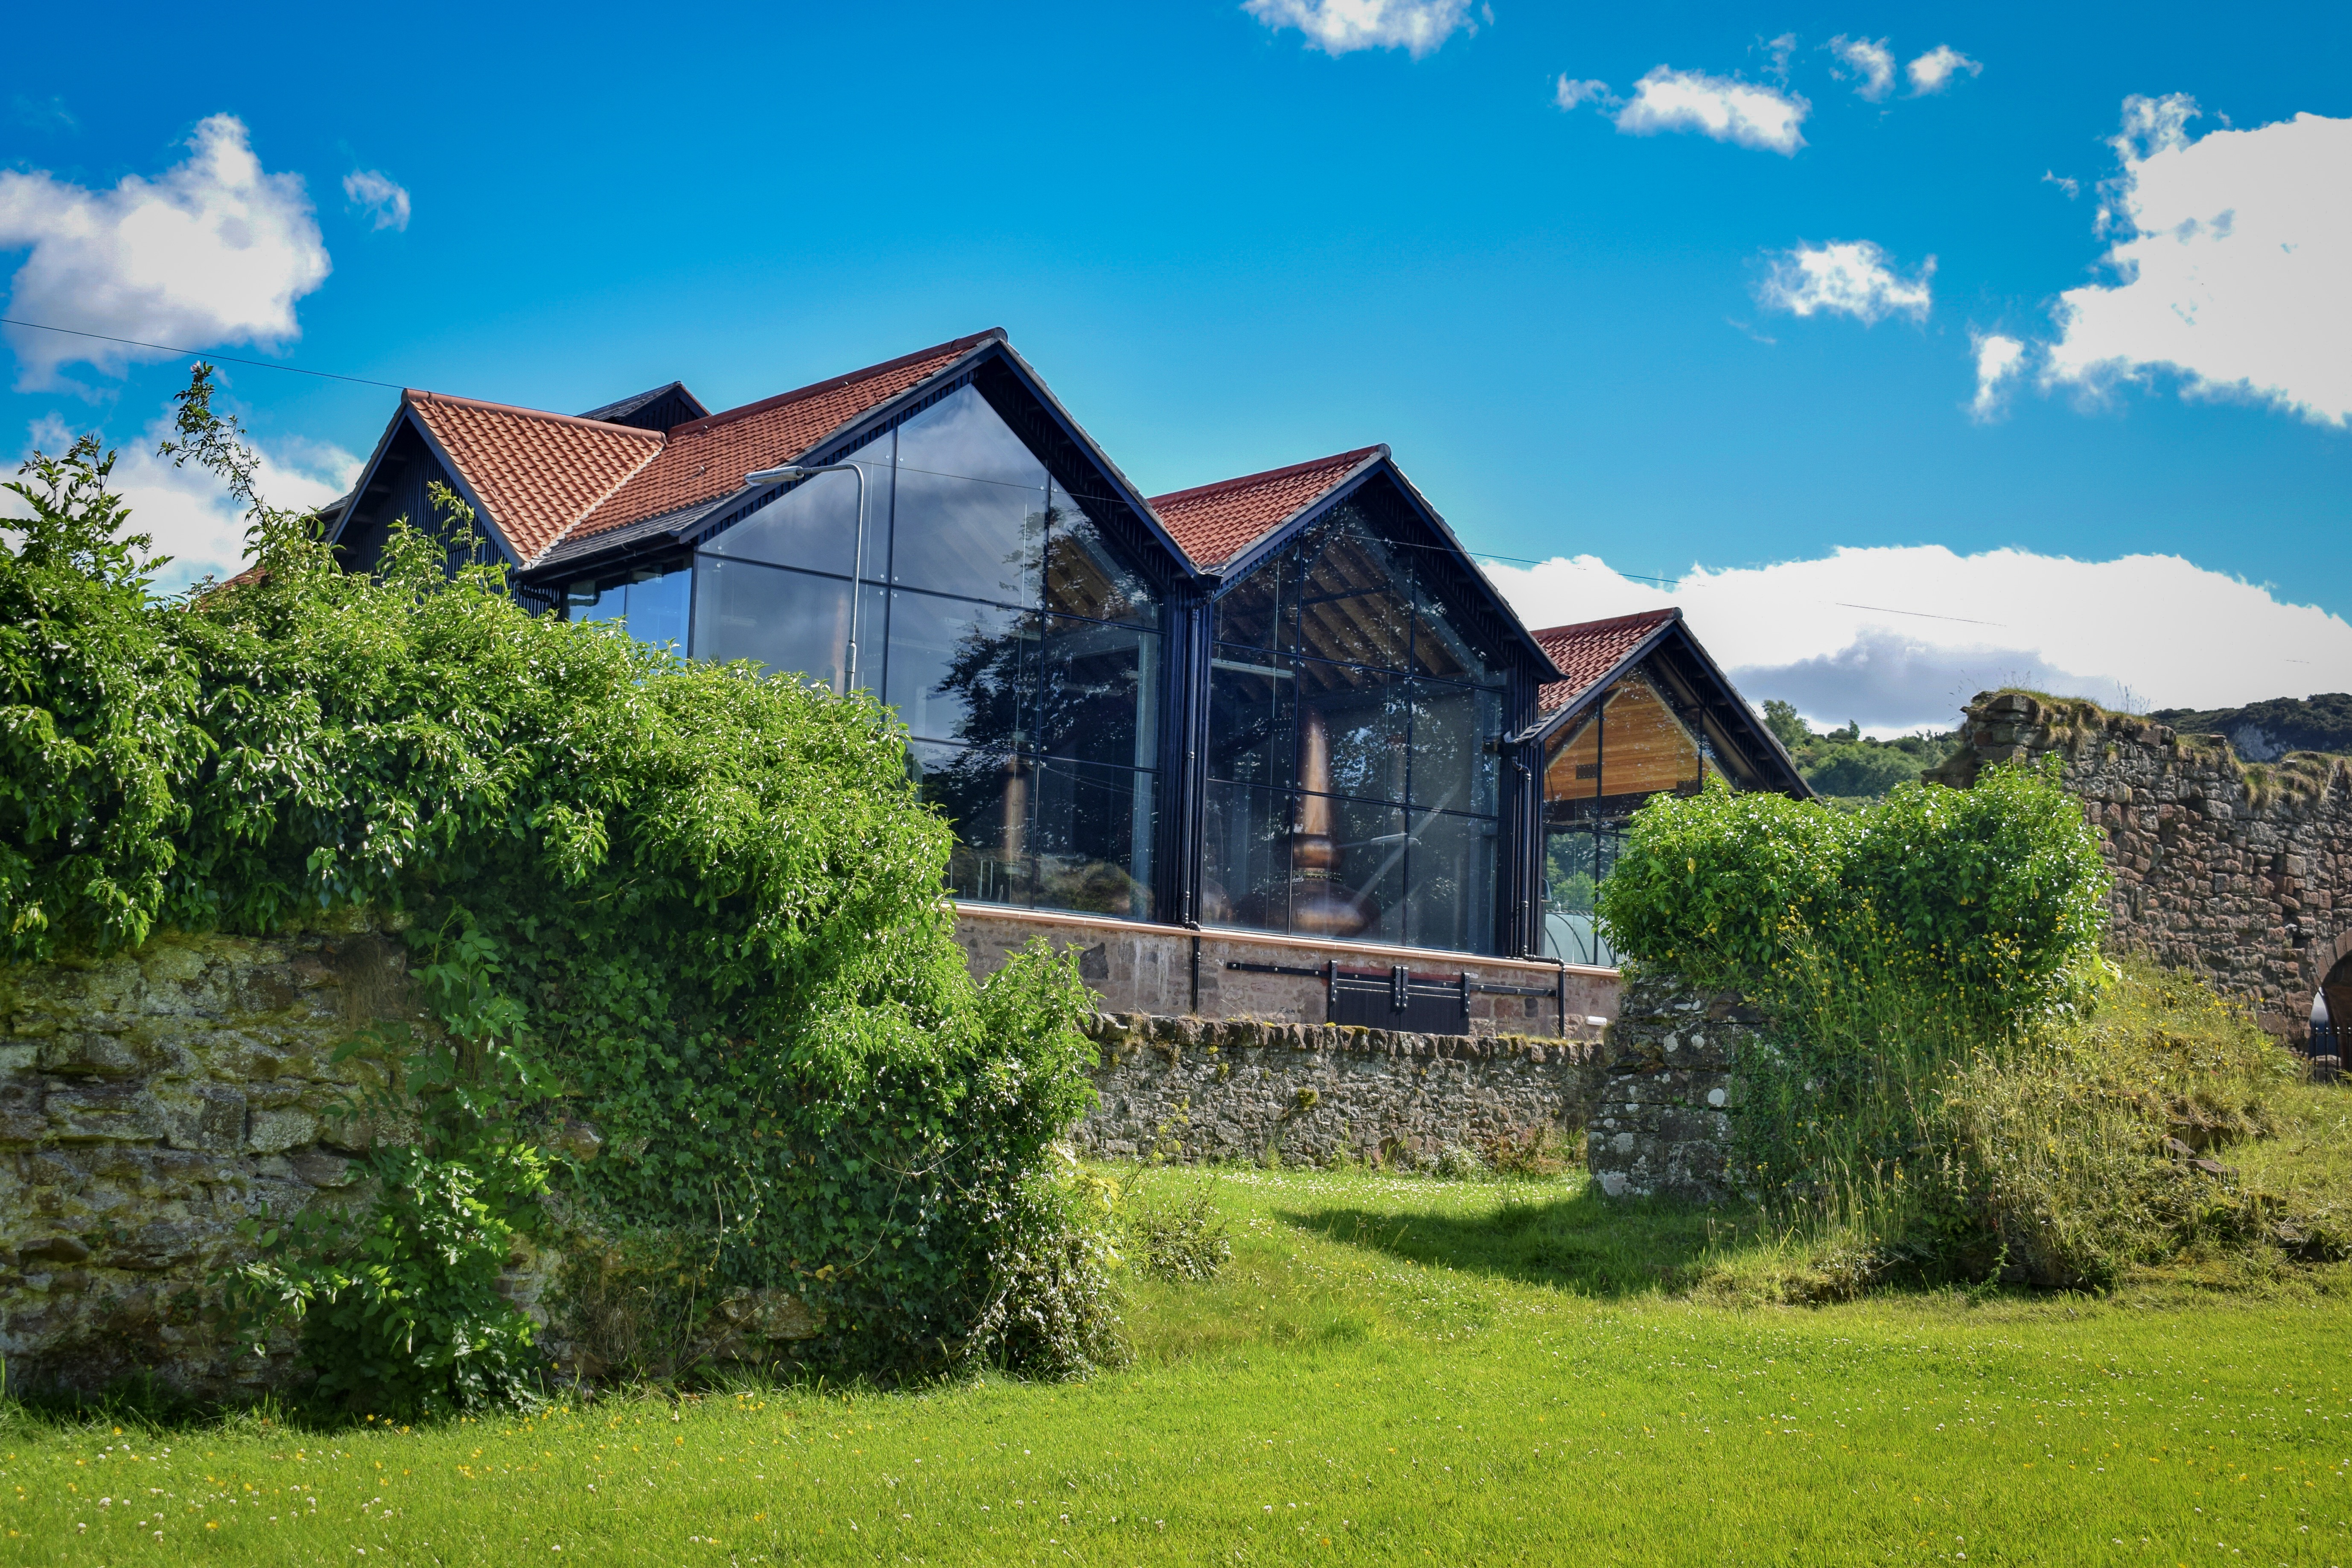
[{"x": 1389, "y": 1369}]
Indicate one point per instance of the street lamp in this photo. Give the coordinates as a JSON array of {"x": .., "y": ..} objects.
[{"x": 789, "y": 472}]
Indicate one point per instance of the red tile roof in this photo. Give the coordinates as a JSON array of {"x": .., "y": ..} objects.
[
  {"x": 537, "y": 473},
  {"x": 1589, "y": 650},
  {"x": 707, "y": 458},
  {"x": 547, "y": 477},
  {"x": 1216, "y": 522}
]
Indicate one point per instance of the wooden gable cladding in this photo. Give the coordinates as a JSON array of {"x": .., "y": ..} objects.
[{"x": 1632, "y": 745}]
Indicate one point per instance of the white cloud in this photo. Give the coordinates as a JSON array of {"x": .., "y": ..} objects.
[
  {"x": 1933, "y": 71},
  {"x": 1869, "y": 60},
  {"x": 1570, "y": 94},
  {"x": 214, "y": 250},
  {"x": 372, "y": 191},
  {"x": 2234, "y": 254},
  {"x": 1826, "y": 634},
  {"x": 1342, "y": 26},
  {"x": 192, "y": 517},
  {"x": 2072, "y": 187},
  {"x": 1853, "y": 278},
  {"x": 2000, "y": 361},
  {"x": 1723, "y": 107}
]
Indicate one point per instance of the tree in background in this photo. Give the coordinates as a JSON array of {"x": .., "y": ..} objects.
[{"x": 1848, "y": 767}]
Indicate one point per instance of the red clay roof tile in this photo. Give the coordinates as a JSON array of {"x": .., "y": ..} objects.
[
  {"x": 709, "y": 457},
  {"x": 1589, "y": 650},
  {"x": 537, "y": 473},
  {"x": 545, "y": 477},
  {"x": 1216, "y": 522}
]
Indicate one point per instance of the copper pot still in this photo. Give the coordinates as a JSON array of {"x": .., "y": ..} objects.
[{"x": 1320, "y": 904}]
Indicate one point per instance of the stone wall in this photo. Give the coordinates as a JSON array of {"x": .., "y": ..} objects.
[
  {"x": 1197, "y": 1089},
  {"x": 2239, "y": 871},
  {"x": 147, "y": 1104},
  {"x": 152, "y": 1102},
  {"x": 1138, "y": 968},
  {"x": 1659, "y": 1124}
]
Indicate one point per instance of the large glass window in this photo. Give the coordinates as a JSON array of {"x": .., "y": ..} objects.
[
  {"x": 1018, "y": 647},
  {"x": 651, "y": 603},
  {"x": 1578, "y": 858},
  {"x": 793, "y": 623},
  {"x": 1353, "y": 750},
  {"x": 811, "y": 526}
]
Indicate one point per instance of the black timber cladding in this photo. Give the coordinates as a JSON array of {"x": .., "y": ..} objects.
[{"x": 662, "y": 408}]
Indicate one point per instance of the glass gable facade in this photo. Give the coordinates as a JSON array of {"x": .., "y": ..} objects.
[
  {"x": 1022, "y": 652},
  {"x": 1353, "y": 749},
  {"x": 1339, "y": 741}
]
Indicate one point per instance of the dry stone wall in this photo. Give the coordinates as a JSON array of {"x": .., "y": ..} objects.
[
  {"x": 1659, "y": 1121},
  {"x": 148, "y": 1103},
  {"x": 1203, "y": 1089},
  {"x": 2239, "y": 871}
]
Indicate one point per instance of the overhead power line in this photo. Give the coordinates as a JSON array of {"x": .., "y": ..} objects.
[
  {"x": 198, "y": 354},
  {"x": 365, "y": 380}
]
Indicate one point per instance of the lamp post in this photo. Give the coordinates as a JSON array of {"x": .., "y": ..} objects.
[{"x": 789, "y": 472}]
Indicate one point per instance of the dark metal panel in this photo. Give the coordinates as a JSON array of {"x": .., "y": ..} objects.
[
  {"x": 1188, "y": 752},
  {"x": 1399, "y": 1000},
  {"x": 1519, "y": 890},
  {"x": 1169, "y": 843}
]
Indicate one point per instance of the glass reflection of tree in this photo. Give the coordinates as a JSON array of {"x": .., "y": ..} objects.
[{"x": 1014, "y": 707}]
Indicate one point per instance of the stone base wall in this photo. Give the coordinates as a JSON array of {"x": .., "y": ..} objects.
[
  {"x": 1659, "y": 1125},
  {"x": 150, "y": 1102},
  {"x": 2240, "y": 872},
  {"x": 1199, "y": 1089},
  {"x": 1150, "y": 969}
]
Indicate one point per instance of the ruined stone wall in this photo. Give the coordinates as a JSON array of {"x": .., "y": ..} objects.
[
  {"x": 2239, "y": 871},
  {"x": 1660, "y": 1126},
  {"x": 148, "y": 1103},
  {"x": 1203, "y": 1089}
]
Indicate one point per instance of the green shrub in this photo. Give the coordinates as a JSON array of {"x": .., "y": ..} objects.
[
  {"x": 400, "y": 1312},
  {"x": 1953, "y": 1083},
  {"x": 1995, "y": 893},
  {"x": 699, "y": 906}
]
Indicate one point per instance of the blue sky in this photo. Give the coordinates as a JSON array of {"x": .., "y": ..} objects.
[{"x": 1236, "y": 237}]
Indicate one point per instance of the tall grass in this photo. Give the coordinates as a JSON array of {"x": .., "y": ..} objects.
[{"x": 1890, "y": 1121}]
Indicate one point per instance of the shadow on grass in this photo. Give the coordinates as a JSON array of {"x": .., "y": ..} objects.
[{"x": 1583, "y": 1243}]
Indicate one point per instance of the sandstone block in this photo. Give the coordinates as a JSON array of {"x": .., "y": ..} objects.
[
  {"x": 275, "y": 1131},
  {"x": 80, "y": 1110}
]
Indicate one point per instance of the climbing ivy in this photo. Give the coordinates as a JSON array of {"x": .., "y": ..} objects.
[{"x": 699, "y": 905}]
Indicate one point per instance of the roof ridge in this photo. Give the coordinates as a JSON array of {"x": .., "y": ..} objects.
[
  {"x": 589, "y": 510},
  {"x": 1267, "y": 476},
  {"x": 835, "y": 383},
  {"x": 1668, "y": 612},
  {"x": 419, "y": 394}
]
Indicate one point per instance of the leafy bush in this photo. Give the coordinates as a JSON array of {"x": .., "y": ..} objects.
[
  {"x": 400, "y": 1312},
  {"x": 1953, "y": 1082},
  {"x": 1992, "y": 895},
  {"x": 702, "y": 905}
]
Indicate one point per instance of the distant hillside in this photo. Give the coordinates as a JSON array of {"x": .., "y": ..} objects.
[{"x": 2266, "y": 731}]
